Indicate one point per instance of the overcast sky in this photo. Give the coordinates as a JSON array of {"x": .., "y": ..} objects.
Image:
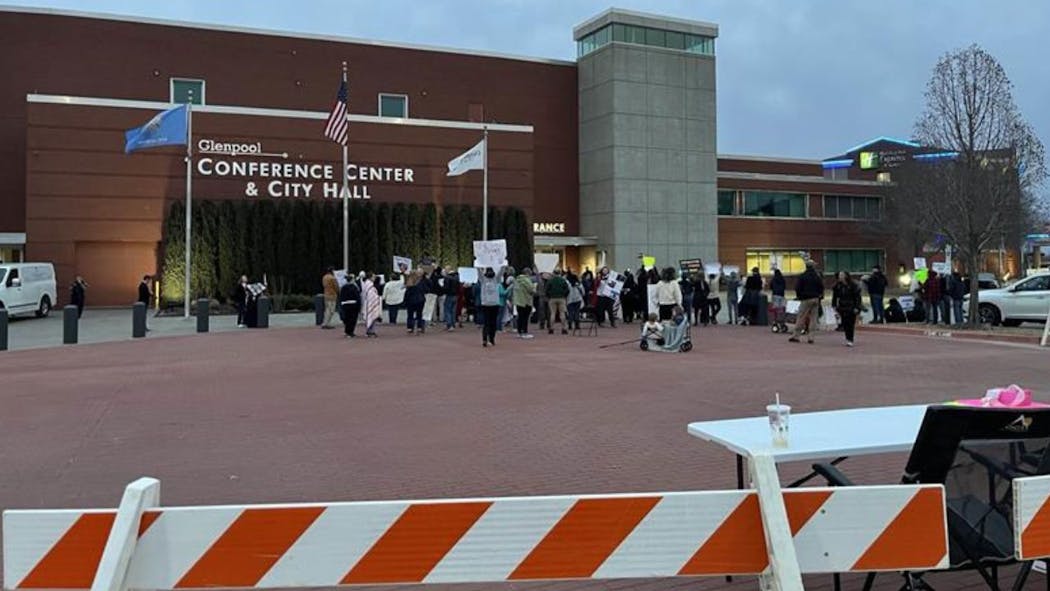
[{"x": 796, "y": 78}]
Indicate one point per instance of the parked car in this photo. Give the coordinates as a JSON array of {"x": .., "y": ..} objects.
[
  {"x": 1027, "y": 299},
  {"x": 27, "y": 287}
]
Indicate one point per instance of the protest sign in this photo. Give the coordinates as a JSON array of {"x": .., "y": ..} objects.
[
  {"x": 712, "y": 268},
  {"x": 689, "y": 266},
  {"x": 402, "y": 264},
  {"x": 648, "y": 262},
  {"x": 468, "y": 275},
  {"x": 490, "y": 253},
  {"x": 942, "y": 268},
  {"x": 654, "y": 302},
  {"x": 546, "y": 262},
  {"x": 920, "y": 262},
  {"x": 730, "y": 269},
  {"x": 341, "y": 277}
]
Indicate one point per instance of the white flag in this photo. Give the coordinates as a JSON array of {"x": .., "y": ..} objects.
[{"x": 472, "y": 159}]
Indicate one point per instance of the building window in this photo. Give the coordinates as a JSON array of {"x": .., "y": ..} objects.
[
  {"x": 393, "y": 105},
  {"x": 852, "y": 208},
  {"x": 770, "y": 204},
  {"x": 883, "y": 177},
  {"x": 181, "y": 89},
  {"x": 727, "y": 203},
  {"x": 851, "y": 261},
  {"x": 636, "y": 35},
  {"x": 790, "y": 262}
]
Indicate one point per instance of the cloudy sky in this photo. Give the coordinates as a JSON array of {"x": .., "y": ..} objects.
[{"x": 796, "y": 78}]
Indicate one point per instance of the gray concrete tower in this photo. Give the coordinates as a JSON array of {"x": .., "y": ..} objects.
[{"x": 647, "y": 137}]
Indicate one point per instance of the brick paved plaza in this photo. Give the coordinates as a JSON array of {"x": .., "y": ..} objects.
[{"x": 300, "y": 414}]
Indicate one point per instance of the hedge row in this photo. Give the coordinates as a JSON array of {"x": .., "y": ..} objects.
[{"x": 292, "y": 242}]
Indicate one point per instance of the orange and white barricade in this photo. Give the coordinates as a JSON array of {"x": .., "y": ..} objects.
[
  {"x": 1032, "y": 517},
  {"x": 144, "y": 546}
]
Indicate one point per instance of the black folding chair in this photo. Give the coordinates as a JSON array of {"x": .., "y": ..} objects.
[
  {"x": 976, "y": 453},
  {"x": 589, "y": 315}
]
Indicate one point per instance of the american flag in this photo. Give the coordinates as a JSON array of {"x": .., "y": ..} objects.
[{"x": 336, "y": 130}]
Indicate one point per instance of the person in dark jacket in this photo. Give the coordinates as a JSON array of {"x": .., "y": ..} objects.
[
  {"x": 686, "y": 285},
  {"x": 240, "y": 300},
  {"x": 146, "y": 293},
  {"x": 946, "y": 299},
  {"x": 451, "y": 293},
  {"x": 628, "y": 297},
  {"x": 846, "y": 299},
  {"x": 416, "y": 287},
  {"x": 809, "y": 290},
  {"x": 77, "y": 294},
  {"x": 876, "y": 291},
  {"x": 752, "y": 297},
  {"x": 778, "y": 287},
  {"x": 931, "y": 296},
  {"x": 957, "y": 291},
  {"x": 350, "y": 302},
  {"x": 701, "y": 292}
]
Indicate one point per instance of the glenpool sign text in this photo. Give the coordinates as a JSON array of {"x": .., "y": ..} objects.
[{"x": 275, "y": 177}]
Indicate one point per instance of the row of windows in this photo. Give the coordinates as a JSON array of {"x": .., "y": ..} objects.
[
  {"x": 189, "y": 90},
  {"x": 849, "y": 207},
  {"x": 645, "y": 36},
  {"x": 793, "y": 205},
  {"x": 793, "y": 262}
]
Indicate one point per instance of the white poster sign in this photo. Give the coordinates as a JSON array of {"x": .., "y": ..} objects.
[
  {"x": 920, "y": 262},
  {"x": 490, "y": 253},
  {"x": 907, "y": 303},
  {"x": 468, "y": 275},
  {"x": 546, "y": 262},
  {"x": 402, "y": 264},
  {"x": 941, "y": 268},
  {"x": 730, "y": 269},
  {"x": 712, "y": 268}
]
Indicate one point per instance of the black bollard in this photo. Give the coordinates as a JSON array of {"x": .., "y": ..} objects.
[
  {"x": 69, "y": 325},
  {"x": 319, "y": 309},
  {"x": 264, "y": 312},
  {"x": 202, "y": 314},
  {"x": 3, "y": 329},
  {"x": 138, "y": 320}
]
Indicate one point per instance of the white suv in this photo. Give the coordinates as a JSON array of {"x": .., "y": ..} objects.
[{"x": 1027, "y": 299}]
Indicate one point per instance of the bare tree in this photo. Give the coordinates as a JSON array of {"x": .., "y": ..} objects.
[{"x": 984, "y": 186}]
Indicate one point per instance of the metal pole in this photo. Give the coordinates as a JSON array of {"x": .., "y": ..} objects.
[
  {"x": 485, "y": 190},
  {"x": 346, "y": 189},
  {"x": 189, "y": 203}
]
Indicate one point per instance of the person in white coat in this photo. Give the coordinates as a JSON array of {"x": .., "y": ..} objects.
[{"x": 394, "y": 296}]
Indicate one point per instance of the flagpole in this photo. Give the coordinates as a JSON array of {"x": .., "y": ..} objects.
[
  {"x": 485, "y": 190},
  {"x": 346, "y": 189},
  {"x": 189, "y": 202}
]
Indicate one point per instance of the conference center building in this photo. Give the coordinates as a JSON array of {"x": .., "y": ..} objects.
[{"x": 601, "y": 160}]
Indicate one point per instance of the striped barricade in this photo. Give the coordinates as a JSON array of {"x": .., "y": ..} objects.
[
  {"x": 1032, "y": 517},
  {"x": 476, "y": 540}
]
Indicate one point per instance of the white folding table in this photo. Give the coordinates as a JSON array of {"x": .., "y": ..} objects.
[{"x": 835, "y": 434}]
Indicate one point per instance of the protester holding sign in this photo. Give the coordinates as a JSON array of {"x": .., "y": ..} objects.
[
  {"x": 604, "y": 289},
  {"x": 490, "y": 305},
  {"x": 523, "y": 292}
]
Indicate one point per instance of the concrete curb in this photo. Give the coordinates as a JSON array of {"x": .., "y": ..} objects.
[{"x": 951, "y": 333}]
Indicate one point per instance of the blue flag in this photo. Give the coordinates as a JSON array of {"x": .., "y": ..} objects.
[{"x": 167, "y": 128}]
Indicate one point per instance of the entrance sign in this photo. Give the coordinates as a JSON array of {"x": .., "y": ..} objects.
[
  {"x": 548, "y": 228},
  {"x": 490, "y": 253}
]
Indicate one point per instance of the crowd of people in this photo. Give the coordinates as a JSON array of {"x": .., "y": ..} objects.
[{"x": 511, "y": 301}]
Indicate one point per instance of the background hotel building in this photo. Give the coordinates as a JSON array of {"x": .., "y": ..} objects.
[{"x": 609, "y": 156}]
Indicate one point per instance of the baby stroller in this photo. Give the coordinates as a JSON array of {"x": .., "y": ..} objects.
[
  {"x": 778, "y": 314},
  {"x": 677, "y": 338}
]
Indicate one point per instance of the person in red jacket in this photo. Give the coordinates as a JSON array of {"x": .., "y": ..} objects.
[{"x": 931, "y": 295}]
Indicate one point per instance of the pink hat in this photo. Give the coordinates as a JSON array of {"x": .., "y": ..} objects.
[{"x": 1012, "y": 396}]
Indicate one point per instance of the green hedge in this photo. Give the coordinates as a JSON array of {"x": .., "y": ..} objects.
[{"x": 291, "y": 242}]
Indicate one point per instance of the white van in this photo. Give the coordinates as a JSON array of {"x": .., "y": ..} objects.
[{"x": 27, "y": 287}]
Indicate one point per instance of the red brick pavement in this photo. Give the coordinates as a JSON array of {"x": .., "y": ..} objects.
[{"x": 304, "y": 415}]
